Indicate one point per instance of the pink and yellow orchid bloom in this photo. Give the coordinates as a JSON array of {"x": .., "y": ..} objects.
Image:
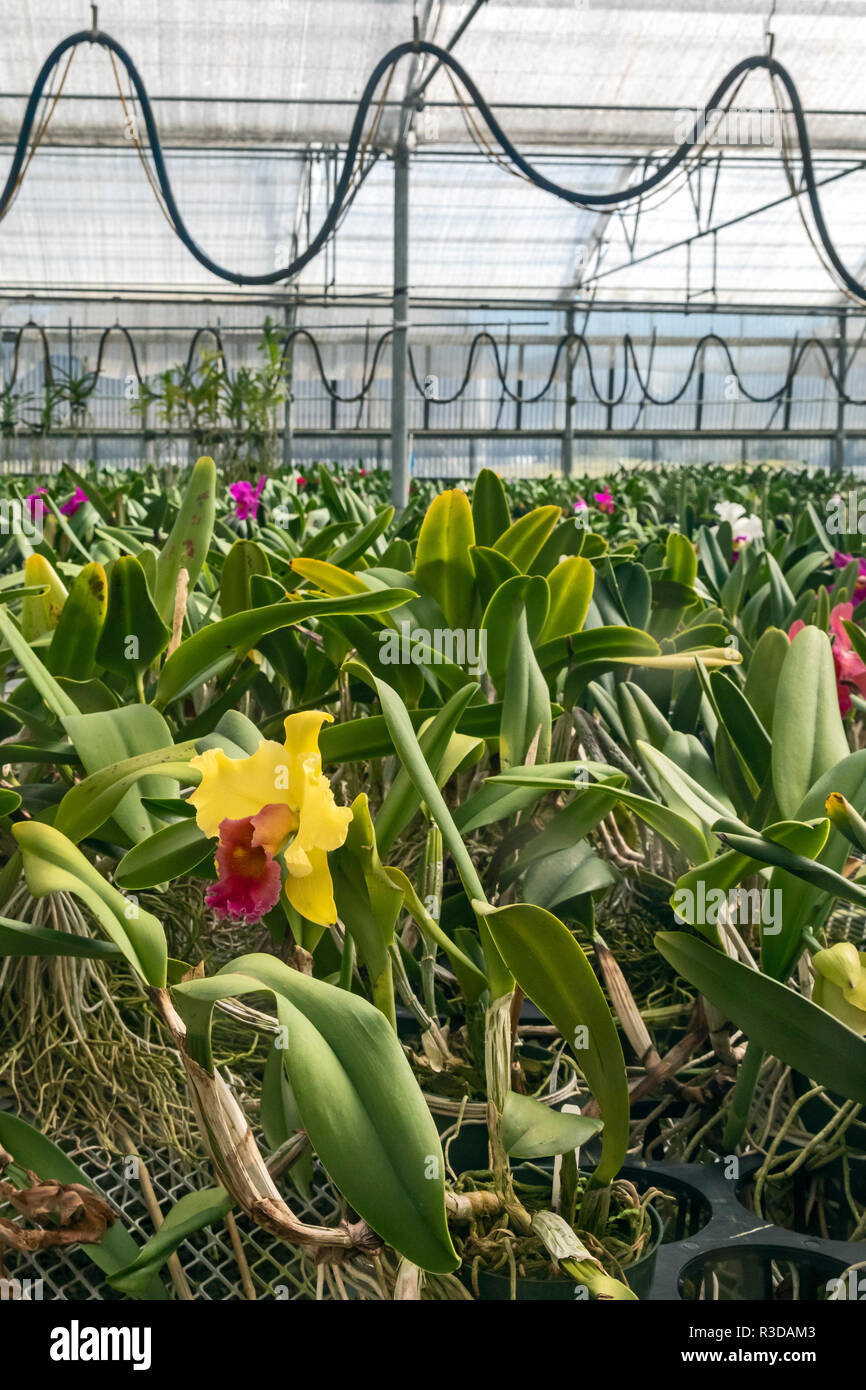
[{"x": 277, "y": 802}]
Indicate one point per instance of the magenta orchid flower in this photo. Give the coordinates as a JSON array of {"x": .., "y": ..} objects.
[
  {"x": 840, "y": 560},
  {"x": 247, "y": 498},
  {"x": 604, "y": 501},
  {"x": 301, "y": 480},
  {"x": 581, "y": 505},
  {"x": 37, "y": 506},
  {"x": 78, "y": 498}
]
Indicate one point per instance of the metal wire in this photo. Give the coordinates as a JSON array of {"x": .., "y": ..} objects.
[{"x": 207, "y": 1258}]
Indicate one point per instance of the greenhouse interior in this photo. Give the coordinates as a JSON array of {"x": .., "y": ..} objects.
[{"x": 432, "y": 867}]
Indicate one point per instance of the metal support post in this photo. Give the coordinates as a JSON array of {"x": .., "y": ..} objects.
[
  {"x": 568, "y": 427},
  {"x": 400, "y": 340},
  {"x": 841, "y": 372}
]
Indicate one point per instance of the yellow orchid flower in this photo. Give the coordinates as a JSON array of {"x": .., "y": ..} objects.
[
  {"x": 277, "y": 801},
  {"x": 840, "y": 984}
]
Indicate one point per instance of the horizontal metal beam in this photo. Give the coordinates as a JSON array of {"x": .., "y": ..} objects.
[
  {"x": 381, "y": 299},
  {"x": 325, "y": 432},
  {"x": 200, "y": 99}
]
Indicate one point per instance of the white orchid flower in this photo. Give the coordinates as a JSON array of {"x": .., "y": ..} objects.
[
  {"x": 749, "y": 528},
  {"x": 730, "y": 511}
]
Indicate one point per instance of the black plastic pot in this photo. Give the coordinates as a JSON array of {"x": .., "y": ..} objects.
[
  {"x": 639, "y": 1276},
  {"x": 838, "y": 1216},
  {"x": 713, "y": 1240},
  {"x": 468, "y": 1150}
]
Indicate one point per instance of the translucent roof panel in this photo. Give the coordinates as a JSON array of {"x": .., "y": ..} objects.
[
  {"x": 291, "y": 69},
  {"x": 89, "y": 219},
  {"x": 254, "y": 104}
]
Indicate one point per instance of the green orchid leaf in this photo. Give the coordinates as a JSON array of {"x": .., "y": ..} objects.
[
  {"x": 189, "y": 539},
  {"x": 409, "y": 751},
  {"x": 356, "y": 1095},
  {"x": 525, "y": 703},
  {"x": 808, "y": 734},
  {"x": 25, "y": 939},
  {"x": 491, "y": 571},
  {"x": 367, "y": 901},
  {"x": 559, "y": 879},
  {"x": 105, "y": 741},
  {"x": 217, "y": 645},
  {"x": 490, "y": 512},
  {"x": 76, "y": 637},
  {"x": 767, "y": 851},
  {"x": 554, "y": 973},
  {"x": 401, "y": 801},
  {"x": 774, "y": 1017},
  {"x": 54, "y": 696},
  {"x": 52, "y": 864},
  {"x": 195, "y": 1211},
  {"x": 533, "y": 1130},
  {"x": 175, "y": 850},
  {"x": 245, "y": 559},
  {"x": 525, "y": 537},
  {"x": 134, "y": 634},
  {"x": 443, "y": 562},
  {"x": 571, "y": 583},
  {"x": 731, "y": 867},
  {"x": 472, "y": 981}
]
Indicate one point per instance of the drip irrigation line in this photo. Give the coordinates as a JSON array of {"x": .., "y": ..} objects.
[
  {"x": 627, "y": 352},
  {"x": 587, "y": 199}
]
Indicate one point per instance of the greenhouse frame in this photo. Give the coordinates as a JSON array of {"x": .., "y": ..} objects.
[{"x": 433, "y": 630}]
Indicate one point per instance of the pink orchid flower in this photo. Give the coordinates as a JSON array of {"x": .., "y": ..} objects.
[
  {"x": 78, "y": 498},
  {"x": 247, "y": 498},
  {"x": 850, "y": 670},
  {"x": 301, "y": 480},
  {"x": 604, "y": 501},
  {"x": 37, "y": 506},
  {"x": 840, "y": 560},
  {"x": 581, "y": 506}
]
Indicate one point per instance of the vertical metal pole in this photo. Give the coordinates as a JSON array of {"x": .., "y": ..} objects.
[
  {"x": 842, "y": 371},
  {"x": 518, "y": 404},
  {"x": 699, "y": 406},
  {"x": 428, "y": 369},
  {"x": 291, "y": 314},
  {"x": 400, "y": 340},
  {"x": 568, "y": 427},
  {"x": 611, "y": 383}
]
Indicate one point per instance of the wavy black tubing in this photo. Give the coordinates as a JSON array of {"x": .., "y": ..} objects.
[
  {"x": 400, "y": 50},
  {"x": 481, "y": 339}
]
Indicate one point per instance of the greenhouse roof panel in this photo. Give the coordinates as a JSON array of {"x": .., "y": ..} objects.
[{"x": 252, "y": 125}]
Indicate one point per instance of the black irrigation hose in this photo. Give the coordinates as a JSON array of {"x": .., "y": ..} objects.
[
  {"x": 366, "y": 382},
  {"x": 443, "y": 56},
  {"x": 629, "y": 362}
]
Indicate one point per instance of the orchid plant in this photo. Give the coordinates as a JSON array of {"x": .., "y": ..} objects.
[{"x": 403, "y": 761}]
